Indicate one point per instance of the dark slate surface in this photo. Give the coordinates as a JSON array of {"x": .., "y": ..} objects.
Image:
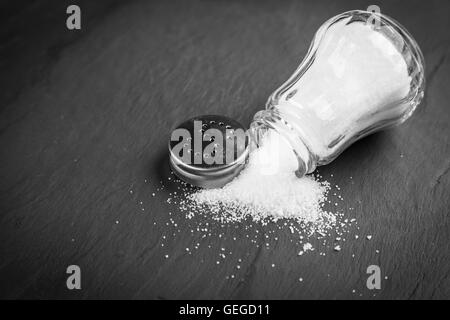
[{"x": 85, "y": 117}]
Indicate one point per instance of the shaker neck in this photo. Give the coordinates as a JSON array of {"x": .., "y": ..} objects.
[{"x": 270, "y": 119}]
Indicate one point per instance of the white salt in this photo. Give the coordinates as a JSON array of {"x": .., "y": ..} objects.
[
  {"x": 307, "y": 247},
  {"x": 268, "y": 189}
]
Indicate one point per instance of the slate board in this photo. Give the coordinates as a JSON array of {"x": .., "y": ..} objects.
[{"x": 85, "y": 118}]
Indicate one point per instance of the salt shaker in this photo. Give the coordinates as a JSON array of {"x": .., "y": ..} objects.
[{"x": 357, "y": 78}]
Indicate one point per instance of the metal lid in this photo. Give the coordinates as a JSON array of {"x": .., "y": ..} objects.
[{"x": 208, "y": 151}]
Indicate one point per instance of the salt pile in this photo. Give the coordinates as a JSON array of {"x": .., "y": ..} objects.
[{"x": 267, "y": 190}]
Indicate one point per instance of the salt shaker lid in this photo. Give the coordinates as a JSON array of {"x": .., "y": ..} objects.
[{"x": 208, "y": 151}]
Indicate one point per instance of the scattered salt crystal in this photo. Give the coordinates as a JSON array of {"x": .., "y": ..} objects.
[
  {"x": 296, "y": 204},
  {"x": 307, "y": 247}
]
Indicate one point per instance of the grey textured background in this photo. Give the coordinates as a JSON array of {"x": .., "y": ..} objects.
[{"x": 85, "y": 118}]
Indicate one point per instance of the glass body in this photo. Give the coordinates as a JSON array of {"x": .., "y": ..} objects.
[{"x": 357, "y": 78}]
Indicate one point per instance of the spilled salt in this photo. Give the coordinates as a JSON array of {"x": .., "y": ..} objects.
[
  {"x": 266, "y": 193},
  {"x": 268, "y": 189}
]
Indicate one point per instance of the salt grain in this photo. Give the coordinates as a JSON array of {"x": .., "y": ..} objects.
[{"x": 307, "y": 247}]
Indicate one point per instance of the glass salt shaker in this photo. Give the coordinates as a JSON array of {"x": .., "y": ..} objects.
[{"x": 357, "y": 78}]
